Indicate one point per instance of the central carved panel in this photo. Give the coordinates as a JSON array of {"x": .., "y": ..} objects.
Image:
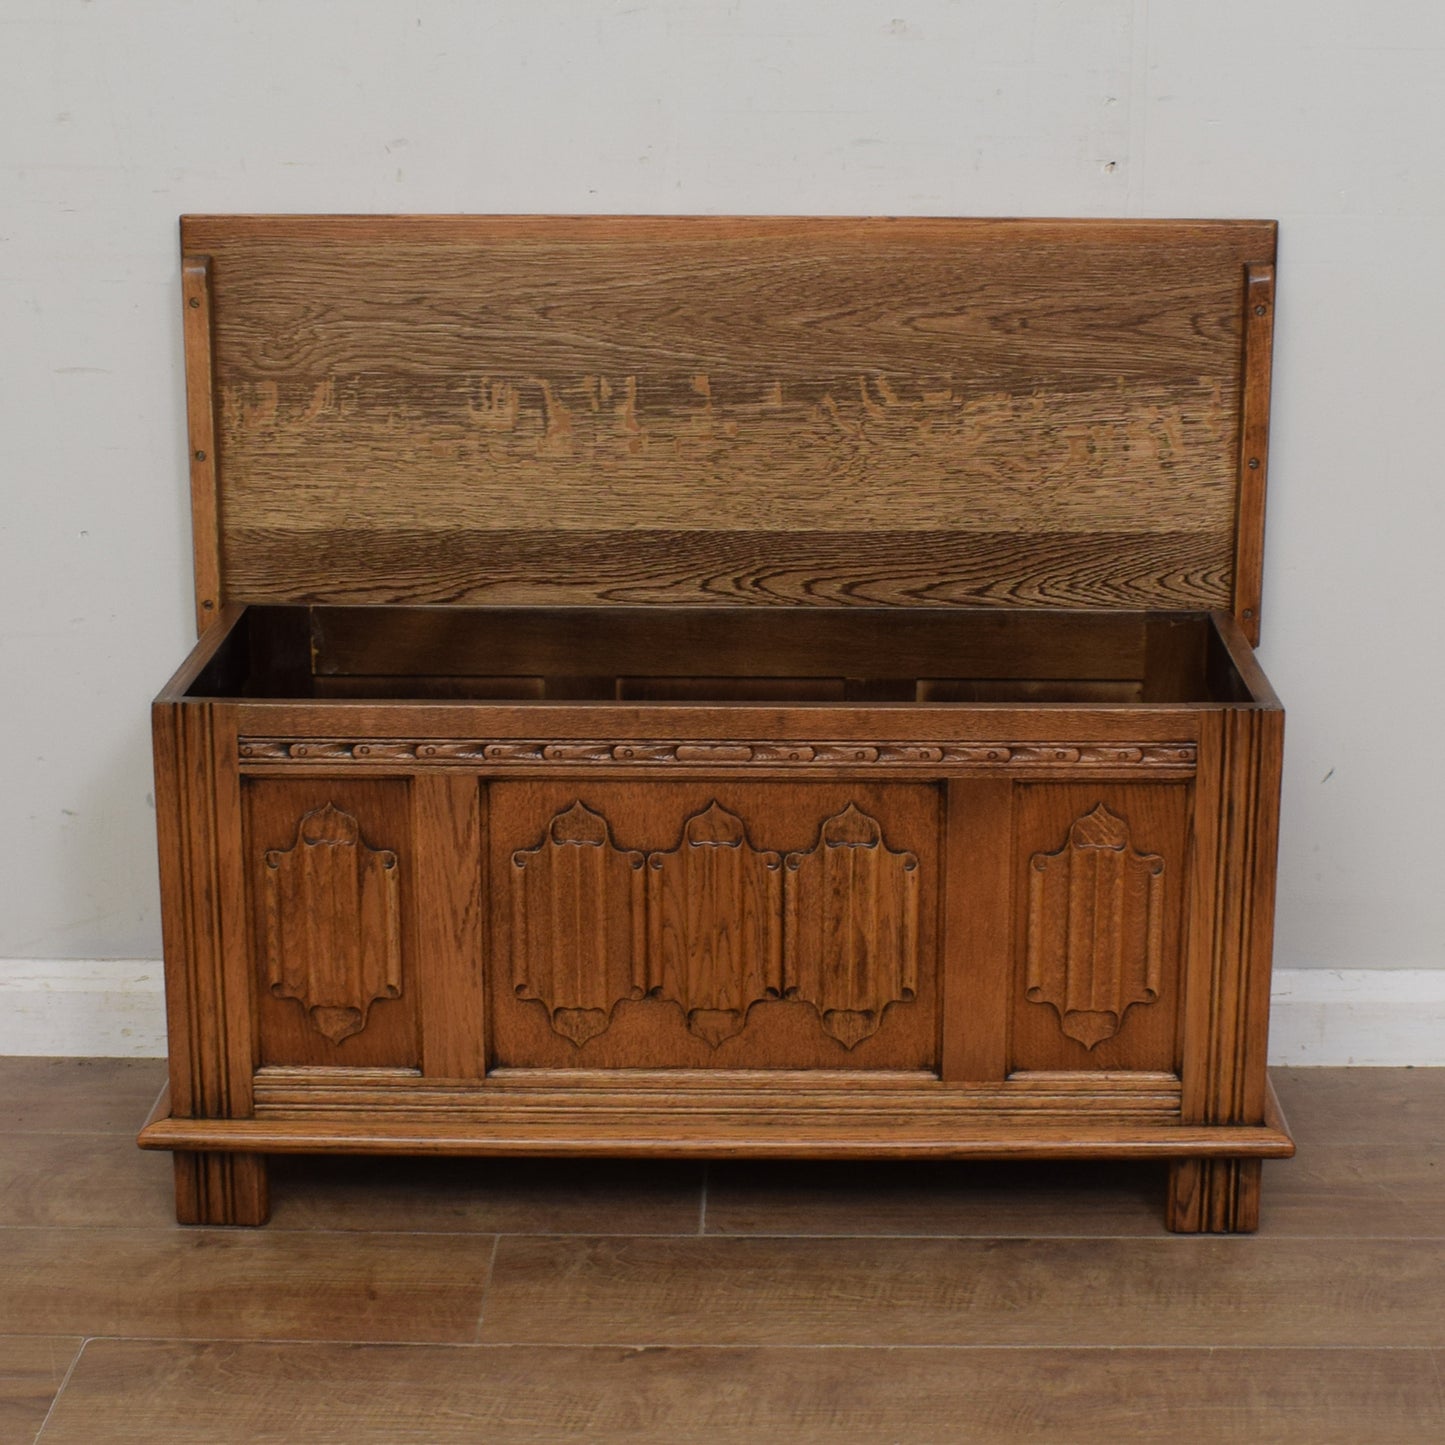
[
  {"x": 852, "y": 926},
  {"x": 718, "y": 926},
  {"x": 715, "y": 924},
  {"x": 577, "y": 919}
]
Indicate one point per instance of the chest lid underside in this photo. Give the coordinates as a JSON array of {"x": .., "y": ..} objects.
[{"x": 644, "y": 410}]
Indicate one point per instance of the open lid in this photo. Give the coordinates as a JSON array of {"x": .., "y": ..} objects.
[{"x": 547, "y": 410}]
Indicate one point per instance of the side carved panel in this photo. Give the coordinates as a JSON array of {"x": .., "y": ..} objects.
[
  {"x": 1095, "y": 927},
  {"x": 578, "y": 944},
  {"x": 852, "y": 925},
  {"x": 333, "y": 923},
  {"x": 715, "y": 924}
]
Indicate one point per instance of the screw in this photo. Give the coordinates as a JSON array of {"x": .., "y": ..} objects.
[
  {"x": 195, "y": 303},
  {"x": 207, "y": 605},
  {"x": 1260, "y": 310},
  {"x": 1249, "y": 611},
  {"x": 200, "y": 456},
  {"x": 1254, "y": 464}
]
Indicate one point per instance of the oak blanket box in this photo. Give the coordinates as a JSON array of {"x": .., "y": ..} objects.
[{"x": 722, "y": 687}]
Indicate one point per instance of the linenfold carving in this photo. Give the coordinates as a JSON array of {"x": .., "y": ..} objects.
[
  {"x": 577, "y": 923},
  {"x": 333, "y": 923},
  {"x": 719, "y": 925},
  {"x": 852, "y": 925},
  {"x": 715, "y": 924},
  {"x": 1095, "y": 927}
]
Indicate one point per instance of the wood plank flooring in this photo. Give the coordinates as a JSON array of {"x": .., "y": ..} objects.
[{"x": 442, "y": 1300}]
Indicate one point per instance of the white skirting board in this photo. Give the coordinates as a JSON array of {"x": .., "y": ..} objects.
[
  {"x": 115, "y": 1008},
  {"x": 98, "y": 1008},
  {"x": 1363, "y": 1016}
]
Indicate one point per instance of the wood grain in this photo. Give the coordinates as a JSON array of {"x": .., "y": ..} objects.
[
  {"x": 801, "y": 417},
  {"x": 1095, "y": 945},
  {"x": 716, "y": 979},
  {"x": 165, "y": 1393},
  {"x": 451, "y": 907},
  {"x": 88, "y": 1096},
  {"x": 1340, "y": 1190},
  {"x": 203, "y": 914},
  {"x": 1114, "y": 761},
  {"x": 210, "y": 1021},
  {"x": 333, "y": 923},
  {"x": 986, "y": 1292},
  {"x": 851, "y": 933},
  {"x": 31, "y": 1370},
  {"x": 244, "y": 1284},
  {"x": 984, "y": 723},
  {"x": 576, "y": 926},
  {"x": 635, "y": 409},
  {"x": 978, "y": 936},
  {"x": 81, "y": 1179},
  {"x": 220, "y": 1187},
  {"x": 744, "y": 292},
  {"x": 275, "y": 814},
  {"x": 201, "y": 430},
  {"x": 1145, "y": 1035},
  {"x": 1229, "y": 938},
  {"x": 711, "y": 654},
  {"x": 788, "y": 1199},
  {"x": 715, "y": 924},
  {"x": 1370, "y": 1191},
  {"x": 1253, "y": 446},
  {"x": 487, "y": 1196},
  {"x": 712, "y": 451},
  {"x": 825, "y": 567},
  {"x": 1036, "y": 1322},
  {"x": 818, "y": 1124},
  {"x": 1403, "y": 1108}
]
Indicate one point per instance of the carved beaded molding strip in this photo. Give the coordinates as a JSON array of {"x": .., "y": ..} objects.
[{"x": 1175, "y": 757}]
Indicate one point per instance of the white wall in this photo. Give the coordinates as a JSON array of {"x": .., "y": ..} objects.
[{"x": 117, "y": 115}]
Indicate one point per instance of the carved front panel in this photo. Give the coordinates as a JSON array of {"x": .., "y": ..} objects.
[
  {"x": 779, "y": 926},
  {"x": 1098, "y": 899},
  {"x": 715, "y": 924},
  {"x": 577, "y": 919},
  {"x": 333, "y": 874},
  {"x": 852, "y": 925},
  {"x": 1096, "y": 927},
  {"x": 333, "y": 923}
]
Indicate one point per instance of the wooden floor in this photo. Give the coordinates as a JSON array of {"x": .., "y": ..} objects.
[{"x": 407, "y": 1300}]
